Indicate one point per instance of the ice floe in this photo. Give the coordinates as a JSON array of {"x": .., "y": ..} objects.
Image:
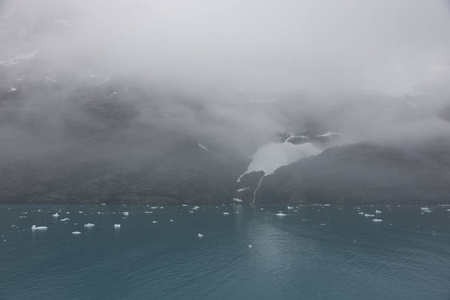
[
  {"x": 116, "y": 226},
  {"x": 34, "y": 227},
  {"x": 76, "y": 233},
  {"x": 89, "y": 225},
  {"x": 200, "y": 235}
]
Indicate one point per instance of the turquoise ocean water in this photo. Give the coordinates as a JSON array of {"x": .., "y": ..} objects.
[{"x": 313, "y": 252}]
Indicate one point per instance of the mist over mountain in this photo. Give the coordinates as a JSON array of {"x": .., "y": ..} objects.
[{"x": 170, "y": 101}]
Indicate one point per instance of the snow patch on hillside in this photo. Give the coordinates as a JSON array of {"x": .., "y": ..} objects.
[
  {"x": 17, "y": 59},
  {"x": 272, "y": 156},
  {"x": 203, "y": 147}
]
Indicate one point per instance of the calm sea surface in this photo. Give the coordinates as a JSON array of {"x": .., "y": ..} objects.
[{"x": 314, "y": 252}]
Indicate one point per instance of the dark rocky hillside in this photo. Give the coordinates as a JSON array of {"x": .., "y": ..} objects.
[
  {"x": 363, "y": 173},
  {"x": 91, "y": 145}
]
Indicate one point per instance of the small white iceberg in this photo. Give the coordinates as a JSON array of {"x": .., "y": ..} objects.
[
  {"x": 226, "y": 213},
  {"x": 378, "y": 211},
  {"x": 116, "y": 226},
  {"x": 154, "y": 222},
  {"x": 76, "y": 233},
  {"x": 125, "y": 213},
  {"x": 249, "y": 246},
  {"x": 200, "y": 235},
  {"x": 34, "y": 227},
  {"x": 89, "y": 225},
  {"x": 65, "y": 220},
  {"x": 56, "y": 215},
  {"x": 368, "y": 215},
  {"x": 377, "y": 220},
  {"x": 280, "y": 214}
]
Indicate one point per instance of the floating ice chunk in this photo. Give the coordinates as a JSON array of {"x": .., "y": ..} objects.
[
  {"x": 56, "y": 215},
  {"x": 225, "y": 213},
  {"x": 280, "y": 214},
  {"x": 196, "y": 207},
  {"x": 34, "y": 227},
  {"x": 125, "y": 213},
  {"x": 76, "y": 233},
  {"x": 378, "y": 211},
  {"x": 237, "y": 200},
  {"x": 171, "y": 220},
  {"x": 200, "y": 235},
  {"x": 154, "y": 222},
  {"x": 290, "y": 207},
  {"x": 89, "y": 225},
  {"x": 249, "y": 246},
  {"x": 13, "y": 89},
  {"x": 154, "y": 207},
  {"x": 64, "y": 219},
  {"x": 377, "y": 220},
  {"x": 116, "y": 226},
  {"x": 425, "y": 209},
  {"x": 361, "y": 213},
  {"x": 184, "y": 205},
  {"x": 368, "y": 215},
  {"x": 103, "y": 203}
]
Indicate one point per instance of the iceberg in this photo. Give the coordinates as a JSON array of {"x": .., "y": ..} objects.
[{"x": 34, "y": 227}]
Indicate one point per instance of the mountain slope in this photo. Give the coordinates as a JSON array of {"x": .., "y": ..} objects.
[{"x": 362, "y": 173}]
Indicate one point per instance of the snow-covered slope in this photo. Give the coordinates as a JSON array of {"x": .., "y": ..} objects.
[{"x": 272, "y": 156}]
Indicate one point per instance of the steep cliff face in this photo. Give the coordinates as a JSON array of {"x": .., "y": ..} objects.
[{"x": 362, "y": 173}]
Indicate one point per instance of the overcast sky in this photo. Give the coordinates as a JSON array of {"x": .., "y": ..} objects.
[
  {"x": 250, "y": 46},
  {"x": 249, "y": 49}
]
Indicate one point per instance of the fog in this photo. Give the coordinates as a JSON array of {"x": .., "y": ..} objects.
[{"x": 224, "y": 72}]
